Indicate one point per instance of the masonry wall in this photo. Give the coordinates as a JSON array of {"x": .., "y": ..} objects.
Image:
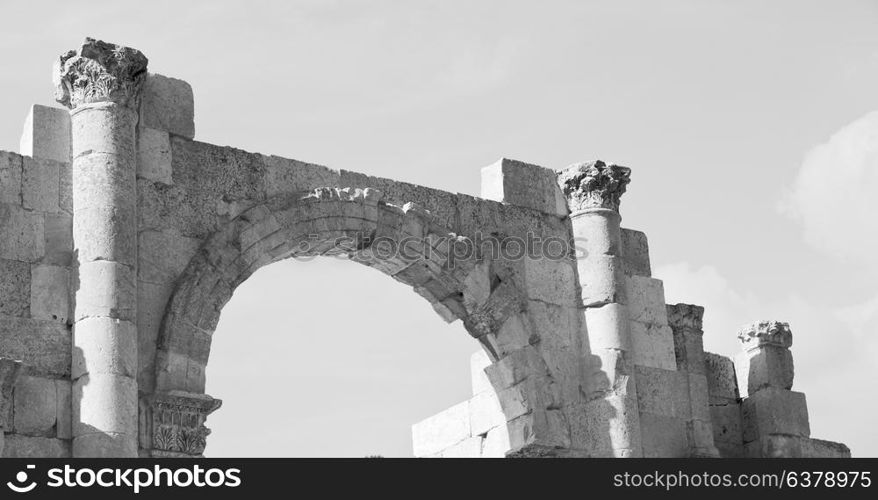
[
  {"x": 36, "y": 280},
  {"x": 689, "y": 401}
]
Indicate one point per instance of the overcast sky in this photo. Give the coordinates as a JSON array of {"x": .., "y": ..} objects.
[{"x": 746, "y": 123}]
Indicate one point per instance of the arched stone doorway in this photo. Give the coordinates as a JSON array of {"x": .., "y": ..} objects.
[{"x": 406, "y": 243}]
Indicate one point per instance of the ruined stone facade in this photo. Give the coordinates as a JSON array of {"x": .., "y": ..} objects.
[{"x": 122, "y": 238}]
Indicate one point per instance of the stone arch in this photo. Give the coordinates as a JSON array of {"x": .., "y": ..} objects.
[{"x": 407, "y": 243}]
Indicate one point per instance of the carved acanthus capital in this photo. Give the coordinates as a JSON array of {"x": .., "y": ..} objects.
[
  {"x": 172, "y": 423},
  {"x": 766, "y": 333},
  {"x": 9, "y": 371},
  {"x": 100, "y": 72},
  {"x": 593, "y": 185}
]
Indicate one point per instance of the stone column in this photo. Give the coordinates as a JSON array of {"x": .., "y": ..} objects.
[
  {"x": 100, "y": 83},
  {"x": 774, "y": 418},
  {"x": 593, "y": 190}
]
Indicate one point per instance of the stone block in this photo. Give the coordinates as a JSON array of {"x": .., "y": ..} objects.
[
  {"x": 44, "y": 346},
  {"x": 163, "y": 255},
  {"x": 635, "y": 253},
  {"x": 22, "y": 234},
  {"x": 64, "y": 409},
  {"x": 685, "y": 317},
  {"x": 727, "y": 425},
  {"x": 515, "y": 401},
  {"x": 108, "y": 404},
  {"x": 601, "y": 280},
  {"x": 596, "y": 234},
  {"x": 514, "y": 334},
  {"x": 653, "y": 345},
  {"x": 105, "y": 233},
  {"x": 50, "y": 293},
  {"x": 767, "y": 366},
  {"x": 168, "y": 104},
  {"x": 485, "y": 413},
  {"x": 663, "y": 436},
  {"x": 774, "y": 411},
  {"x": 46, "y": 134},
  {"x": 556, "y": 326},
  {"x": 14, "y": 288},
  {"x": 468, "y": 448},
  {"x": 40, "y": 185},
  {"x": 540, "y": 429},
  {"x": 722, "y": 385},
  {"x": 552, "y": 281},
  {"x": 663, "y": 392},
  {"x": 730, "y": 450},
  {"x": 612, "y": 367},
  {"x": 154, "y": 155},
  {"x": 105, "y": 289},
  {"x": 442, "y": 430},
  {"x": 607, "y": 427},
  {"x": 104, "y": 444},
  {"x": 478, "y": 362},
  {"x": 35, "y": 447},
  {"x": 104, "y": 131},
  {"x": 775, "y": 446},
  {"x": 514, "y": 367},
  {"x": 496, "y": 443},
  {"x": 59, "y": 240},
  {"x": 104, "y": 346},
  {"x": 10, "y": 178},
  {"x": 485, "y": 217},
  {"x": 35, "y": 406},
  {"x": 607, "y": 327},
  {"x": 646, "y": 300},
  {"x": 284, "y": 175},
  {"x": 523, "y": 184},
  {"x": 818, "y": 448}
]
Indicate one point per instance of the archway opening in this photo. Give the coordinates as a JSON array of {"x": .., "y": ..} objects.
[{"x": 328, "y": 358}]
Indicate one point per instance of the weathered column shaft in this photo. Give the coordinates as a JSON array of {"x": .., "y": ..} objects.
[
  {"x": 593, "y": 191},
  {"x": 100, "y": 83}
]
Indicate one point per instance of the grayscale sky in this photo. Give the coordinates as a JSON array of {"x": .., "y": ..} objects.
[{"x": 751, "y": 128}]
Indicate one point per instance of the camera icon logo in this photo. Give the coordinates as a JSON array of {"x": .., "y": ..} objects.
[{"x": 21, "y": 478}]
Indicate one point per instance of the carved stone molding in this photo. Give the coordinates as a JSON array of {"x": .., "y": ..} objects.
[
  {"x": 9, "y": 372},
  {"x": 100, "y": 72},
  {"x": 172, "y": 423},
  {"x": 764, "y": 333},
  {"x": 593, "y": 185}
]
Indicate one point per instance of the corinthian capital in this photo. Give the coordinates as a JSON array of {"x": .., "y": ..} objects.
[
  {"x": 99, "y": 72},
  {"x": 593, "y": 185},
  {"x": 762, "y": 333},
  {"x": 172, "y": 423}
]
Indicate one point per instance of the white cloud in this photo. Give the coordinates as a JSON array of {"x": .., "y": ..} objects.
[
  {"x": 834, "y": 194},
  {"x": 834, "y": 348}
]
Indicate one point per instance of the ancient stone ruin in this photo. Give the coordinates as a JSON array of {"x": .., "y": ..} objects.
[{"x": 121, "y": 239}]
